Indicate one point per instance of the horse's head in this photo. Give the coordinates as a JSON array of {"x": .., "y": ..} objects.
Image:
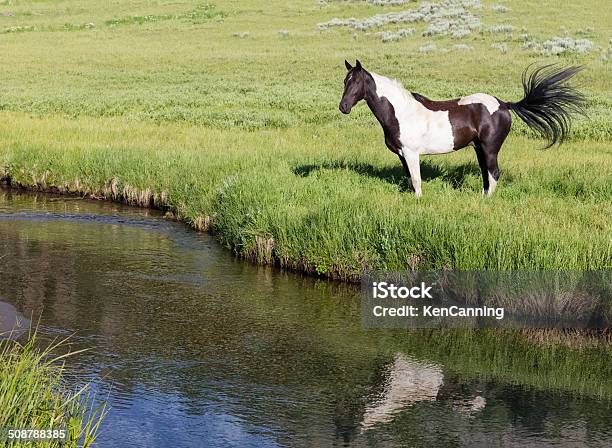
[{"x": 354, "y": 87}]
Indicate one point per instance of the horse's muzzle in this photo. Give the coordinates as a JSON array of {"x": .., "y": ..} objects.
[{"x": 344, "y": 108}]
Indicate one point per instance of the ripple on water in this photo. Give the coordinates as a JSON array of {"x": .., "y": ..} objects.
[{"x": 194, "y": 348}]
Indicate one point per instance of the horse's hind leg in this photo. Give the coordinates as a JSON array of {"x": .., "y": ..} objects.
[
  {"x": 483, "y": 166},
  {"x": 487, "y": 159},
  {"x": 487, "y": 149}
]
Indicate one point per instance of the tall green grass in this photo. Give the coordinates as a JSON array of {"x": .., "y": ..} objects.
[
  {"x": 32, "y": 396},
  {"x": 242, "y": 136},
  {"x": 332, "y": 212}
]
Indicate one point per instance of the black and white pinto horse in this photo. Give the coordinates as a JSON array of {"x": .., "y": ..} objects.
[{"x": 415, "y": 125}]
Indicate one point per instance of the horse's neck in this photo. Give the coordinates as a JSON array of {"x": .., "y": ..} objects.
[{"x": 401, "y": 100}]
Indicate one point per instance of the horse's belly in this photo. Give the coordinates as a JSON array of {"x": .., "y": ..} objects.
[
  {"x": 435, "y": 151},
  {"x": 434, "y": 136}
]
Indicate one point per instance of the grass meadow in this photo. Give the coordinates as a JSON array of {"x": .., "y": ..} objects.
[{"x": 225, "y": 114}]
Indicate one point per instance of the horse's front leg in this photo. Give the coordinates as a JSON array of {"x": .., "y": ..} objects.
[
  {"x": 396, "y": 148},
  {"x": 410, "y": 159},
  {"x": 405, "y": 165}
]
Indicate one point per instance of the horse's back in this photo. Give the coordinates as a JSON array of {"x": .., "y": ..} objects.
[{"x": 472, "y": 117}]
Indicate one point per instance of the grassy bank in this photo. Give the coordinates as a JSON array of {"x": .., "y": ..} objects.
[
  {"x": 226, "y": 115},
  {"x": 32, "y": 397}
]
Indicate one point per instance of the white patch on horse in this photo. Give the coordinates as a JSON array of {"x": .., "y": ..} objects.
[
  {"x": 488, "y": 101},
  {"x": 422, "y": 131},
  {"x": 492, "y": 185}
]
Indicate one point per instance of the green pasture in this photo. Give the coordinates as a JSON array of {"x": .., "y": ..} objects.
[{"x": 225, "y": 114}]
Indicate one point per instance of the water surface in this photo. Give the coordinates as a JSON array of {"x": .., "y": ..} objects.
[{"x": 193, "y": 348}]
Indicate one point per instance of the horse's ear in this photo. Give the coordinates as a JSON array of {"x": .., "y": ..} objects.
[
  {"x": 358, "y": 64},
  {"x": 348, "y": 66}
]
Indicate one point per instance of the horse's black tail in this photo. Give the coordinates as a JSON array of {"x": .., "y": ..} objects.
[{"x": 549, "y": 102}]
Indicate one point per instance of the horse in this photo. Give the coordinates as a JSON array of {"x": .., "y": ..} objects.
[{"x": 414, "y": 125}]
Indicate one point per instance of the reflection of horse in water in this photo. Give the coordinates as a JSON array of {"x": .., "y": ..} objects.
[{"x": 409, "y": 382}]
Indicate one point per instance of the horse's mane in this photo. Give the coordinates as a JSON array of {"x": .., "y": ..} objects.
[{"x": 388, "y": 83}]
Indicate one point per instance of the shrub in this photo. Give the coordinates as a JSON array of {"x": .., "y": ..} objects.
[
  {"x": 392, "y": 36},
  {"x": 503, "y": 28},
  {"x": 503, "y": 48},
  {"x": 462, "y": 47},
  {"x": 559, "y": 45},
  {"x": 427, "y": 48},
  {"x": 444, "y": 18}
]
